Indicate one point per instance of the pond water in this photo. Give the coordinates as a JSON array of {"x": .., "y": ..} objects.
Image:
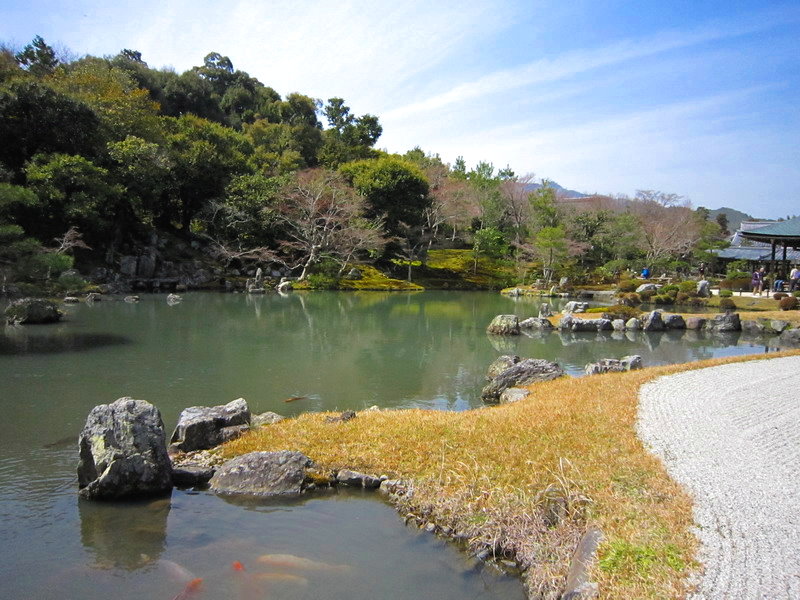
[{"x": 335, "y": 350}]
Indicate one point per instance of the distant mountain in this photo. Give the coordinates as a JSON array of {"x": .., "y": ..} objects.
[
  {"x": 560, "y": 189},
  {"x": 735, "y": 217}
]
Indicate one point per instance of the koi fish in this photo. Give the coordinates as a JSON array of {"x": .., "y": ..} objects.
[
  {"x": 290, "y": 561},
  {"x": 294, "y": 398},
  {"x": 282, "y": 577},
  {"x": 192, "y": 588},
  {"x": 237, "y": 566}
]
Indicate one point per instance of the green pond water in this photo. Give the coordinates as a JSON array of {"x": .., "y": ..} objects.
[{"x": 336, "y": 350}]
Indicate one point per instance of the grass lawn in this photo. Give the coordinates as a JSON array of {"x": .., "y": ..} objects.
[{"x": 497, "y": 475}]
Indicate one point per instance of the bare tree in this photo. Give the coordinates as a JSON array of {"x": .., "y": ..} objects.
[
  {"x": 667, "y": 222},
  {"x": 69, "y": 241},
  {"x": 516, "y": 192},
  {"x": 324, "y": 217}
]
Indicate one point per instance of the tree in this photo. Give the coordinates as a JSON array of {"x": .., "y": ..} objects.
[
  {"x": 38, "y": 58},
  {"x": 666, "y": 223},
  {"x": 324, "y": 217},
  {"x": 722, "y": 221},
  {"x": 393, "y": 188},
  {"x": 516, "y": 193},
  {"x": 36, "y": 119},
  {"x": 348, "y": 137}
]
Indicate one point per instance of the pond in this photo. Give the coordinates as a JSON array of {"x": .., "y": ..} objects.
[{"x": 334, "y": 350}]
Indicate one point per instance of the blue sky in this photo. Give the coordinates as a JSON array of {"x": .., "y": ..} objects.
[{"x": 695, "y": 98}]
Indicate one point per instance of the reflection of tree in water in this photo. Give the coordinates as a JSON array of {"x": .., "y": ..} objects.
[{"x": 124, "y": 535}]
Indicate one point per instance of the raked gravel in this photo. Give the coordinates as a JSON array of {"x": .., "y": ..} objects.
[{"x": 731, "y": 436}]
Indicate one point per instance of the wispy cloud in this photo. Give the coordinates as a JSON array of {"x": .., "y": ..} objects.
[{"x": 569, "y": 64}]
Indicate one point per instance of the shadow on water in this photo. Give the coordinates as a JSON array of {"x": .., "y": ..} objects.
[{"x": 13, "y": 342}]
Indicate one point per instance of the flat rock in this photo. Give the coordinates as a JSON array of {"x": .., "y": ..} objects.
[
  {"x": 724, "y": 323},
  {"x": 265, "y": 418},
  {"x": 525, "y": 372},
  {"x": 201, "y": 427},
  {"x": 536, "y": 323},
  {"x": 356, "y": 479},
  {"x": 573, "y": 306},
  {"x": 647, "y": 287},
  {"x": 191, "y": 475},
  {"x": 613, "y": 365},
  {"x": 280, "y": 473},
  {"x": 513, "y": 394},
  {"x": 123, "y": 452},
  {"x": 695, "y": 322},
  {"x": 603, "y": 325}
]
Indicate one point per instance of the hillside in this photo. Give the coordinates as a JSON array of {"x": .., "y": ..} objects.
[{"x": 735, "y": 217}]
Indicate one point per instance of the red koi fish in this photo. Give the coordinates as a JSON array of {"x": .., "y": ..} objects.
[
  {"x": 237, "y": 566},
  {"x": 191, "y": 589}
]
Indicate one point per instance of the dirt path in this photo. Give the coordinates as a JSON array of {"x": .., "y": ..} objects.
[{"x": 731, "y": 436}]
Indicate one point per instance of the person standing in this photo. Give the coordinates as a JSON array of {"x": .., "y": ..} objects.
[
  {"x": 758, "y": 281},
  {"x": 794, "y": 279}
]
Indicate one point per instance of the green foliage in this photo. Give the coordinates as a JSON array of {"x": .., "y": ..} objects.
[
  {"x": 321, "y": 281},
  {"x": 725, "y": 293},
  {"x": 393, "y": 187},
  {"x": 670, "y": 288},
  {"x": 490, "y": 242},
  {"x": 626, "y": 286},
  {"x": 688, "y": 287},
  {"x": 618, "y": 311},
  {"x": 662, "y": 299},
  {"x": 789, "y": 303},
  {"x": 727, "y": 304},
  {"x": 37, "y": 58}
]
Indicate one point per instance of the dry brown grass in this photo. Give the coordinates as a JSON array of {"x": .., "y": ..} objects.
[{"x": 492, "y": 475}]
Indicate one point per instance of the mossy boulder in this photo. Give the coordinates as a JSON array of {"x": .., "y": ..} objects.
[{"x": 32, "y": 311}]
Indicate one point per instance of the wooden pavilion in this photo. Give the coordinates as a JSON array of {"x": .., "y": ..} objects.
[{"x": 781, "y": 234}]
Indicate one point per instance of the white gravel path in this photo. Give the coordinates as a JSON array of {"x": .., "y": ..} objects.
[{"x": 731, "y": 436}]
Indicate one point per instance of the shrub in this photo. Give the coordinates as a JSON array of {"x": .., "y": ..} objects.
[
  {"x": 727, "y": 304},
  {"x": 620, "y": 311},
  {"x": 779, "y": 295},
  {"x": 789, "y": 303},
  {"x": 688, "y": 287},
  {"x": 321, "y": 281},
  {"x": 668, "y": 289},
  {"x": 663, "y": 299},
  {"x": 681, "y": 297},
  {"x": 645, "y": 295},
  {"x": 725, "y": 293},
  {"x": 796, "y": 294},
  {"x": 696, "y": 301},
  {"x": 631, "y": 299},
  {"x": 626, "y": 286}
]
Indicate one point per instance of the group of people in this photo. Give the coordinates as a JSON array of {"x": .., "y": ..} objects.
[{"x": 758, "y": 281}]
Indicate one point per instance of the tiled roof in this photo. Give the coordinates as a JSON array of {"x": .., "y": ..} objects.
[{"x": 779, "y": 229}]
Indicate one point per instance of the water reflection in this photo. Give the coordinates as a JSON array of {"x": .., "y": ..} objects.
[
  {"x": 124, "y": 535},
  {"x": 18, "y": 340}
]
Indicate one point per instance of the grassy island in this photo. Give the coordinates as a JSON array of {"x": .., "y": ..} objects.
[{"x": 496, "y": 476}]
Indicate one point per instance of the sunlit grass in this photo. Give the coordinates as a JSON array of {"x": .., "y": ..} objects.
[{"x": 493, "y": 475}]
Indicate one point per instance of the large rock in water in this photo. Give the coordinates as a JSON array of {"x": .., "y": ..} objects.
[
  {"x": 524, "y": 372},
  {"x": 725, "y": 322},
  {"x": 504, "y": 325},
  {"x": 123, "y": 452},
  {"x": 32, "y": 311},
  {"x": 263, "y": 474},
  {"x": 203, "y": 427},
  {"x": 704, "y": 288},
  {"x": 652, "y": 321}
]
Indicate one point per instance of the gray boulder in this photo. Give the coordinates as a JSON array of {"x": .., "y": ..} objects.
[
  {"x": 603, "y": 325},
  {"x": 790, "y": 336},
  {"x": 573, "y": 306},
  {"x": 633, "y": 324},
  {"x": 753, "y": 327},
  {"x": 647, "y": 287},
  {"x": 695, "y": 322},
  {"x": 674, "y": 322},
  {"x": 545, "y": 311},
  {"x": 71, "y": 300},
  {"x": 123, "y": 452},
  {"x": 523, "y": 373},
  {"x": 504, "y": 325},
  {"x": 652, "y": 321},
  {"x": 778, "y": 326},
  {"x": 500, "y": 364},
  {"x": 618, "y": 325},
  {"x": 612, "y": 365},
  {"x": 265, "y": 418},
  {"x": 571, "y": 323},
  {"x": 201, "y": 427},
  {"x": 536, "y": 323},
  {"x": 127, "y": 266},
  {"x": 191, "y": 475},
  {"x": 725, "y": 322},
  {"x": 703, "y": 288},
  {"x": 32, "y": 311},
  {"x": 280, "y": 473}
]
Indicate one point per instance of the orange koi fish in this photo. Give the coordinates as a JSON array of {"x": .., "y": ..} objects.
[
  {"x": 192, "y": 588},
  {"x": 237, "y": 566}
]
